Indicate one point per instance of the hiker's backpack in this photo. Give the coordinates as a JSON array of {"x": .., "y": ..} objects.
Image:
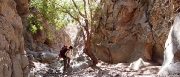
[{"x": 62, "y": 50}]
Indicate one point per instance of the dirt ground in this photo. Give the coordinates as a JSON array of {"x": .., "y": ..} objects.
[{"x": 101, "y": 70}]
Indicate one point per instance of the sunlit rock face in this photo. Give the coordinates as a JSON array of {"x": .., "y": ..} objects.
[
  {"x": 13, "y": 62},
  {"x": 129, "y": 29},
  {"x": 171, "y": 64},
  {"x": 61, "y": 38}
]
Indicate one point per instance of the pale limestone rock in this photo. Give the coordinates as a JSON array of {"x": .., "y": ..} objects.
[
  {"x": 47, "y": 57},
  {"x": 171, "y": 64},
  {"x": 137, "y": 64}
]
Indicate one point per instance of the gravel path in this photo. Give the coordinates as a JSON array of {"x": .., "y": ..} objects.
[{"x": 101, "y": 70}]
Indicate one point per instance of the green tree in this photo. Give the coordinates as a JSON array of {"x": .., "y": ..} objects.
[
  {"x": 62, "y": 12},
  {"x": 81, "y": 12},
  {"x": 42, "y": 13}
]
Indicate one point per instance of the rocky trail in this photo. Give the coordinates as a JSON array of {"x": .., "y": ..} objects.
[{"x": 101, "y": 70}]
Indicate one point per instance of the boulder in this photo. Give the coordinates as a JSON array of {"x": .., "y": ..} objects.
[{"x": 171, "y": 64}]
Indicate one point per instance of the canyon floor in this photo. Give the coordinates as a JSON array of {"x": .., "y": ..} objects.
[{"x": 136, "y": 69}]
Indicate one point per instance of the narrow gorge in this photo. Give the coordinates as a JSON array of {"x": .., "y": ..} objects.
[{"x": 122, "y": 31}]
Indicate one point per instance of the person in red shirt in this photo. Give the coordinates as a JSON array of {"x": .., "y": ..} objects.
[{"x": 63, "y": 54}]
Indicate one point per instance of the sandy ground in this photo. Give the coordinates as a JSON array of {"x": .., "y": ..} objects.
[{"x": 101, "y": 70}]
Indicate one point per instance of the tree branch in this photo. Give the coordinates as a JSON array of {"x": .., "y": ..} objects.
[
  {"x": 77, "y": 19},
  {"x": 85, "y": 8},
  {"x": 68, "y": 12},
  {"x": 90, "y": 11},
  {"x": 78, "y": 9}
]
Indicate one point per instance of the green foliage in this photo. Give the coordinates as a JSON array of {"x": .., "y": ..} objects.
[
  {"x": 78, "y": 11},
  {"x": 41, "y": 9},
  {"x": 34, "y": 23},
  {"x": 61, "y": 12},
  {"x": 46, "y": 8},
  {"x": 49, "y": 35}
]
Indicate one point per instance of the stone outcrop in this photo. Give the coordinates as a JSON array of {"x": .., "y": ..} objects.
[
  {"x": 172, "y": 51},
  {"x": 48, "y": 38},
  {"x": 161, "y": 18},
  {"x": 22, "y": 7},
  {"x": 132, "y": 29},
  {"x": 13, "y": 61}
]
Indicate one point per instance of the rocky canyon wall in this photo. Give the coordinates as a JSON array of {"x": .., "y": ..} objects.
[
  {"x": 13, "y": 61},
  {"x": 172, "y": 51},
  {"x": 130, "y": 29}
]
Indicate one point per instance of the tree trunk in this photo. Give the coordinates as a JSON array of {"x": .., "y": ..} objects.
[{"x": 87, "y": 48}]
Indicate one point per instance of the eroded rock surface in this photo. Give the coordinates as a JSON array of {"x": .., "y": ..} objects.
[
  {"x": 171, "y": 64},
  {"x": 131, "y": 29},
  {"x": 13, "y": 61}
]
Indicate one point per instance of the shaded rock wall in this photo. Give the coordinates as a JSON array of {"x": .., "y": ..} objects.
[
  {"x": 132, "y": 29},
  {"x": 40, "y": 41},
  {"x": 161, "y": 18},
  {"x": 48, "y": 38},
  {"x": 13, "y": 62}
]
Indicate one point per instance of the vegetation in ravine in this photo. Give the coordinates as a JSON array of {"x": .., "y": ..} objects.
[{"x": 62, "y": 12}]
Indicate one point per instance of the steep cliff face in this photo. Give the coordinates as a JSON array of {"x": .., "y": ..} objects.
[
  {"x": 13, "y": 62},
  {"x": 161, "y": 18},
  {"x": 132, "y": 29}
]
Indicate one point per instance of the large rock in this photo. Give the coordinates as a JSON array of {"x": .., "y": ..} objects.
[
  {"x": 171, "y": 64},
  {"x": 161, "y": 18},
  {"x": 5, "y": 64},
  {"x": 22, "y": 7},
  {"x": 131, "y": 29},
  {"x": 12, "y": 58}
]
